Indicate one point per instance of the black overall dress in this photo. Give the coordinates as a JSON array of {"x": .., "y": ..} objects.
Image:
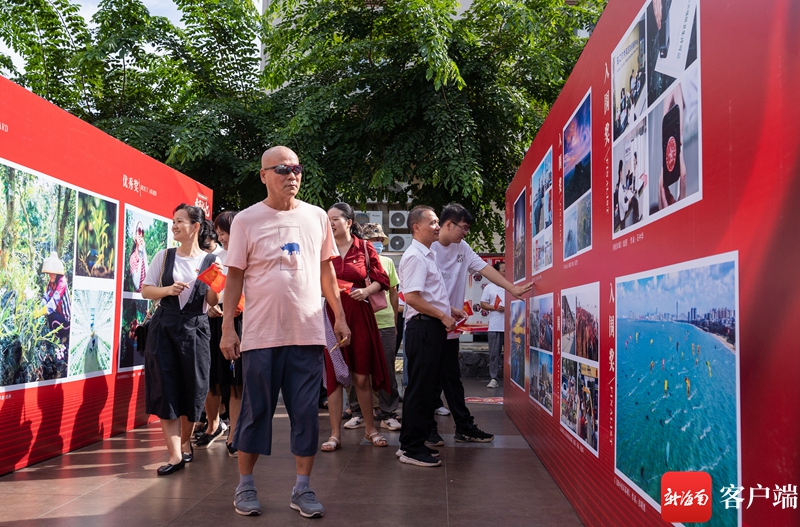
[{"x": 177, "y": 353}]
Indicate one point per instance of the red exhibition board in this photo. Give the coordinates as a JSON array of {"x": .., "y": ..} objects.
[
  {"x": 654, "y": 213},
  {"x": 82, "y": 217}
]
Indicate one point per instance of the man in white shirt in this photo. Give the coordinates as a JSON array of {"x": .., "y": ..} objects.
[
  {"x": 428, "y": 319},
  {"x": 493, "y": 301},
  {"x": 455, "y": 258}
]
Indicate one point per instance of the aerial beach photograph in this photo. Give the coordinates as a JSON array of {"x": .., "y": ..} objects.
[{"x": 677, "y": 377}]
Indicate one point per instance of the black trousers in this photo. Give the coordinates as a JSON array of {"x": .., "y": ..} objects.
[
  {"x": 424, "y": 344},
  {"x": 450, "y": 382}
]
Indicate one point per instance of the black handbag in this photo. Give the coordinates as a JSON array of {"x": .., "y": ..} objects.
[{"x": 140, "y": 335}]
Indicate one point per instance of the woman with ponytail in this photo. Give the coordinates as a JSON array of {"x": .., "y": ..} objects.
[
  {"x": 364, "y": 355},
  {"x": 177, "y": 353}
]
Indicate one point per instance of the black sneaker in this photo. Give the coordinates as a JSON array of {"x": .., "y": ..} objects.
[
  {"x": 206, "y": 440},
  {"x": 420, "y": 460},
  {"x": 232, "y": 452},
  {"x": 434, "y": 439},
  {"x": 472, "y": 435},
  {"x": 200, "y": 426}
]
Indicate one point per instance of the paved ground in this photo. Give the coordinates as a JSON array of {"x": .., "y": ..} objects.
[{"x": 114, "y": 483}]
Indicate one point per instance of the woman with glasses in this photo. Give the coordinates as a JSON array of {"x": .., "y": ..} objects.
[
  {"x": 364, "y": 355},
  {"x": 177, "y": 353}
]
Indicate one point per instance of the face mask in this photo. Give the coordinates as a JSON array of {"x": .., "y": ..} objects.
[{"x": 378, "y": 247}]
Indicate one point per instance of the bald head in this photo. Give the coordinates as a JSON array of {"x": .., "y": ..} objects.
[
  {"x": 281, "y": 188},
  {"x": 279, "y": 153}
]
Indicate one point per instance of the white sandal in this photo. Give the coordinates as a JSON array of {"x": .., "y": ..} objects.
[
  {"x": 376, "y": 439},
  {"x": 331, "y": 445}
]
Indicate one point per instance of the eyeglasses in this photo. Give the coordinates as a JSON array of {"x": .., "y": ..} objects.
[
  {"x": 284, "y": 170},
  {"x": 465, "y": 230}
]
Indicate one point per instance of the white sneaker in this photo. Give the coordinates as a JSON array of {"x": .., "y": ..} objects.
[
  {"x": 391, "y": 424},
  {"x": 492, "y": 384},
  {"x": 442, "y": 411},
  {"x": 355, "y": 422}
]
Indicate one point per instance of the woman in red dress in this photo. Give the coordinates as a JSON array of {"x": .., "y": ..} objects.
[{"x": 364, "y": 355}]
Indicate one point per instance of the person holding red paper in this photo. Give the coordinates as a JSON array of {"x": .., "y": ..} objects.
[
  {"x": 429, "y": 318},
  {"x": 177, "y": 354},
  {"x": 280, "y": 253},
  {"x": 225, "y": 375},
  {"x": 364, "y": 355},
  {"x": 456, "y": 259},
  {"x": 492, "y": 301},
  {"x": 214, "y": 428}
]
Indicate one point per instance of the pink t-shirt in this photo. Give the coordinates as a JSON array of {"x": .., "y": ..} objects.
[{"x": 280, "y": 253}]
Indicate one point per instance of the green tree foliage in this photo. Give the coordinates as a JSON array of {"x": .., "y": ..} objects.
[{"x": 382, "y": 99}]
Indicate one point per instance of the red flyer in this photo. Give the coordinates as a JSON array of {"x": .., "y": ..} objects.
[{"x": 214, "y": 278}]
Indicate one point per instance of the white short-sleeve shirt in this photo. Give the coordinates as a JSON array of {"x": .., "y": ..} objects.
[
  {"x": 455, "y": 261},
  {"x": 419, "y": 273},
  {"x": 489, "y": 295},
  {"x": 185, "y": 270}
]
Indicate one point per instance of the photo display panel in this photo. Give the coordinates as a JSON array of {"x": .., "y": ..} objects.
[
  {"x": 659, "y": 337},
  {"x": 82, "y": 216}
]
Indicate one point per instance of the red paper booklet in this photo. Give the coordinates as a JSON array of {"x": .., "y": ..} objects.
[
  {"x": 214, "y": 278},
  {"x": 344, "y": 286},
  {"x": 497, "y": 301}
]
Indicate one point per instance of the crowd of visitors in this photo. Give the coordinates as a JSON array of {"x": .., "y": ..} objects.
[{"x": 309, "y": 301}]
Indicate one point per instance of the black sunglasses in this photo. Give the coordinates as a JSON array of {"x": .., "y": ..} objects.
[{"x": 284, "y": 170}]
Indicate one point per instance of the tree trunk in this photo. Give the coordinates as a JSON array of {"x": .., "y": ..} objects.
[
  {"x": 8, "y": 240},
  {"x": 62, "y": 223}
]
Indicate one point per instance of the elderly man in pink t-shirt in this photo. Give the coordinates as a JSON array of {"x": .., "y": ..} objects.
[{"x": 279, "y": 253}]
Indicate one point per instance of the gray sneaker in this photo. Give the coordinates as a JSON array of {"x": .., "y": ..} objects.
[
  {"x": 246, "y": 502},
  {"x": 306, "y": 502}
]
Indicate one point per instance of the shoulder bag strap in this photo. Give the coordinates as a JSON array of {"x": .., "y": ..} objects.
[
  {"x": 367, "y": 280},
  {"x": 157, "y": 303},
  {"x": 163, "y": 265}
]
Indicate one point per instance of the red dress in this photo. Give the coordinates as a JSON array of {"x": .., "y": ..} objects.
[{"x": 364, "y": 355}]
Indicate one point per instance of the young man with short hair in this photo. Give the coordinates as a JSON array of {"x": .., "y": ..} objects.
[{"x": 455, "y": 259}]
